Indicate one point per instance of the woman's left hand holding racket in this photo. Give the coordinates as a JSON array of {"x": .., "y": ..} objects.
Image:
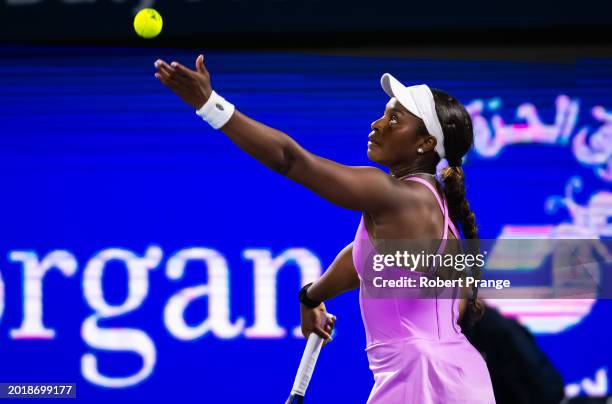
[{"x": 317, "y": 320}]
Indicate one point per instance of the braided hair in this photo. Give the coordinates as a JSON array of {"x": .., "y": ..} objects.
[{"x": 458, "y": 139}]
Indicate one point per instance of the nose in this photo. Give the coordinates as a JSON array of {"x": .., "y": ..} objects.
[{"x": 375, "y": 126}]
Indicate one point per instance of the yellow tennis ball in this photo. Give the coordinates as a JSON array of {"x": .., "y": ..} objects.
[{"x": 148, "y": 23}]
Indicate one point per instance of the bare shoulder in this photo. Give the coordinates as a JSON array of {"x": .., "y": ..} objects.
[
  {"x": 417, "y": 191},
  {"x": 414, "y": 200},
  {"x": 416, "y": 215},
  {"x": 378, "y": 183}
]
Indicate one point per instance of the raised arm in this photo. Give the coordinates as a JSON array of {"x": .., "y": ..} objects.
[{"x": 359, "y": 188}]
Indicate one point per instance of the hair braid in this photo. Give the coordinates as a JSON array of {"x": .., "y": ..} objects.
[
  {"x": 458, "y": 205},
  {"x": 458, "y": 139}
]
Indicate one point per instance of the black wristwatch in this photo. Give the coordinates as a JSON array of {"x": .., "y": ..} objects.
[{"x": 303, "y": 297}]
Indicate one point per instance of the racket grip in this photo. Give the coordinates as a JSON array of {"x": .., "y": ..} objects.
[{"x": 307, "y": 364}]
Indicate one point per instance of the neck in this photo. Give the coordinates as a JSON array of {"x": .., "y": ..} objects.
[{"x": 411, "y": 169}]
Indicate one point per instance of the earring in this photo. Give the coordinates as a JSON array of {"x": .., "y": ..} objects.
[{"x": 420, "y": 150}]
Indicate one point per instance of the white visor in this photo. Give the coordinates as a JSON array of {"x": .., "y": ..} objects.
[{"x": 420, "y": 102}]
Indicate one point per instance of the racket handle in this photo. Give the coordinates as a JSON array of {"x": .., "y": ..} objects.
[
  {"x": 307, "y": 364},
  {"x": 295, "y": 399}
]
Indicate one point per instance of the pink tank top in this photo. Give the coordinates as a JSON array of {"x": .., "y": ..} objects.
[{"x": 393, "y": 319}]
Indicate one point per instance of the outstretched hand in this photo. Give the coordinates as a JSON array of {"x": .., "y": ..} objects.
[{"x": 192, "y": 86}]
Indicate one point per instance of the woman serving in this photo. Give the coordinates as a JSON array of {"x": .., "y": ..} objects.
[{"x": 415, "y": 347}]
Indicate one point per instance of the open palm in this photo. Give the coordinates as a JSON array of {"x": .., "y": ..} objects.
[{"x": 192, "y": 86}]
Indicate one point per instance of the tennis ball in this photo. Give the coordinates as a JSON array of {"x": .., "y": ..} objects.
[{"x": 148, "y": 23}]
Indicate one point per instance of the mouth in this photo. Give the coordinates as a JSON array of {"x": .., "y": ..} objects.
[{"x": 373, "y": 140}]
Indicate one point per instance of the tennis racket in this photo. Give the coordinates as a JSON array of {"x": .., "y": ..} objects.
[{"x": 304, "y": 373}]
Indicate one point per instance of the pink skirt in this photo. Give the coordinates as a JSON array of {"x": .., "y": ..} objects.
[{"x": 424, "y": 371}]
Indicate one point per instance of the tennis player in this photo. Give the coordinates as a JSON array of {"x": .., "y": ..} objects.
[{"x": 415, "y": 347}]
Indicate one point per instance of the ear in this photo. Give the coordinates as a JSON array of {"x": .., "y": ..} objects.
[{"x": 428, "y": 143}]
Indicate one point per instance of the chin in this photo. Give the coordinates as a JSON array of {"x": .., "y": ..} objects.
[
  {"x": 372, "y": 156},
  {"x": 376, "y": 156}
]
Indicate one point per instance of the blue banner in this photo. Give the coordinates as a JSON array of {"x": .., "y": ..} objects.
[{"x": 146, "y": 259}]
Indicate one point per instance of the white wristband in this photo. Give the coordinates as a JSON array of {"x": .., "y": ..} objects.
[{"x": 216, "y": 111}]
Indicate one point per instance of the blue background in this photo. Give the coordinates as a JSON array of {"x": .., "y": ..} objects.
[{"x": 95, "y": 153}]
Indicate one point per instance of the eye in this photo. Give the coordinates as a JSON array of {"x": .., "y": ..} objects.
[{"x": 393, "y": 118}]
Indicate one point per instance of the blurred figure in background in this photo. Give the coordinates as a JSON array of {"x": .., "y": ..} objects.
[{"x": 520, "y": 371}]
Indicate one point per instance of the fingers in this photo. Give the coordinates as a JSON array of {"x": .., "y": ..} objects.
[
  {"x": 173, "y": 73},
  {"x": 180, "y": 69},
  {"x": 327, "y": 337},
  {"x": 164, "y": 71},
  {"x": 330, "y": 322},
  {"x": 163, "y": 67},
  {"x": 327, "y": 340},
  {"x": 329, "y": 326},
  {"x": 200, "y": 64},
  {"x": 322, "y": 333}
]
